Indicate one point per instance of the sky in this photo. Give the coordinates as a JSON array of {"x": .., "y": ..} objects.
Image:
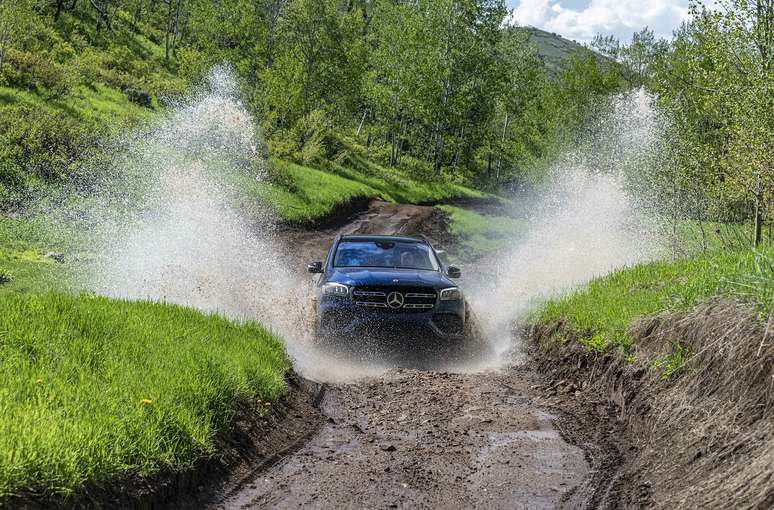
[{"x": 580, "y": 20}]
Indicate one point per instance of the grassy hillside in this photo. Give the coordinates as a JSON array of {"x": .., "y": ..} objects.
[
  {"x": 94, "y": 389},
  {"x": 66, "y": 88},
  {"x": 477, "y": 234},
  {"x": 602, "y": 312},
  {"x": 553, "y": 49},
  {"x": 305, "y": 194}
]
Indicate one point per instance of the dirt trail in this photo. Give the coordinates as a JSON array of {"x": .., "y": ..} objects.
[
  {"x": 424, "y": 439},
  {"x": 379, "y": 218}
]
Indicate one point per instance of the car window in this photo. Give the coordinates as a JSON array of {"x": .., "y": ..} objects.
[{"x": 397, "y": 254}]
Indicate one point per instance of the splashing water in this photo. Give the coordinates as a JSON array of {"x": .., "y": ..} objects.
[
  {"x": 583, "y": 223},
  {"x": 183, "y": 241},
  {"x": 171, "y": 225}
]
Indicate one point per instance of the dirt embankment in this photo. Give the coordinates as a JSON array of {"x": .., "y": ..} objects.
[{"x": 702, "y": 438}]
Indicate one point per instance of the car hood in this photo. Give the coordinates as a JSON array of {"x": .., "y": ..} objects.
[{"x": 387, "y": 276}]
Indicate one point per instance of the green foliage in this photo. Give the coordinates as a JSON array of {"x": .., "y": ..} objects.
[
  {"x": 671, "y": 363},
  {"x": 714, "y": 84},
  {"x": 93, "y": 390},
  {"x": 478, "y": 234},
  {"x": 441, "y": 89},
  {"x": 602, "y": 311}
]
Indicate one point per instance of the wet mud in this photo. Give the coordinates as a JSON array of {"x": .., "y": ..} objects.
[
  {"x": 421, "y": 439},
  {"x": 435, "y": 435}
]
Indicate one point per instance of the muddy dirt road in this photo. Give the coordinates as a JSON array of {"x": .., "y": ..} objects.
[{"x": 424, "y": 439}]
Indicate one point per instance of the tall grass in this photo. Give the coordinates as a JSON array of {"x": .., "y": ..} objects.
[{"x": 94, "y": 389}]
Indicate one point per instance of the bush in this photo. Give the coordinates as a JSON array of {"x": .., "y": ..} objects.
[
  {"x": 139, "y": 97},
  {"x": 34, "y": 72},
  {"x": 37, "y": 141}
]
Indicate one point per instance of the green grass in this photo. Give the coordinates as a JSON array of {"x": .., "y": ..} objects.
[
  {"x": 304, "y": 194},
  {"x": 23, "y": 246},
  {"x": 397, "y": 186},
  {"x": 100, "y": 104},
  {"x": 602, "y": 311},
  {"x": 477, "y": 234},
  {"x": 309, "y": 194},
  {"x": 93, "y": 389},
  {"x": 26, "y": 271},
  {"x": 694, "y": 237}
]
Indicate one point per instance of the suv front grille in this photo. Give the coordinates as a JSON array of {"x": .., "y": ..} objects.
[{"x": 395, "y": 299}]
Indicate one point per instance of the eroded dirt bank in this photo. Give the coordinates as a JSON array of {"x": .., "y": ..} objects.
[
  {"x": 412, "y": 438},
  {"x": 701, "y": 438}
]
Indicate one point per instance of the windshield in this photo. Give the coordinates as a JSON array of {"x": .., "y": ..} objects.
[{"x": 395, "y": 254}]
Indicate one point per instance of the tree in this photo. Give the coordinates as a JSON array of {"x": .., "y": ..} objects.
[
  {"x": 15, "y": 17},
  {"x": 715, "y": 83}
]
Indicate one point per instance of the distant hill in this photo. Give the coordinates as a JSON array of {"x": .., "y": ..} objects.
[{"x": 552, "y": 48}]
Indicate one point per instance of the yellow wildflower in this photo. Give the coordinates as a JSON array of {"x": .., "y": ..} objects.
[{"x": 146, "y": 401}]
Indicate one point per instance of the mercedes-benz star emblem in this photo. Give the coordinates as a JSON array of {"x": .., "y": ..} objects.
[{"x": 395, "y": 300}]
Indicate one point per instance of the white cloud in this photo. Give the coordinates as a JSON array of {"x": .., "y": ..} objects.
[{"x": 618, "y": 17}]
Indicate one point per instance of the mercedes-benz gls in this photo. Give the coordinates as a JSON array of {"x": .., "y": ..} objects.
[{"x": 387, "y": 285}]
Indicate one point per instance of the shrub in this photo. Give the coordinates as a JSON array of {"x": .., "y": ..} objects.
[{"x": 33, "y": 71}]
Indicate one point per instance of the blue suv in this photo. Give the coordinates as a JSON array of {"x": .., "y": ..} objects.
[{"x": 373, "y": 285}]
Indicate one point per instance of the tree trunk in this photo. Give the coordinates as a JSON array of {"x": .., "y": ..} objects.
[
  {"x": 167, "y": 30},
  {"x": 177, "y": 28},
  {"x": 59, "y": 9},
  {"x": 274, "y": 16},
  {"x": 362, "y": 122},
  {"x": 758, "y": 216},
  {"x": 438, "y": 160},
  {"x": 138, "y": 11},
  {"x": 393, "y": 148},
  {"x": 461, "y": 138},
  {"x": 401, "y": 138},
  {"x": 506, "y": 121},
  {"x": 3, "y": 45},
  {"x": 102, "y": 15}
]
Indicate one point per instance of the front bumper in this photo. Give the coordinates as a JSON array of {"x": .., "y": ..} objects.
[{"x": 341, "y": 317}]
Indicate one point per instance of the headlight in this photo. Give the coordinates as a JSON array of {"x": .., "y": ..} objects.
[
  {"x": 335, "y": 289},
  {"x": 451, "y": 294}
]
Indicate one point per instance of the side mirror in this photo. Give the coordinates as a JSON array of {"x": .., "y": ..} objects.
[
  {"x": 453, "y": 272},
  {"x": 314, "y": 267}
]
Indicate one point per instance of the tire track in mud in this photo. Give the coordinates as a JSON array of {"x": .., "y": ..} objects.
[{"x": 424, "y": 439}]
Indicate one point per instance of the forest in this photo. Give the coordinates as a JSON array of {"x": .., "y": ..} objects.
[{"x": 444, "y": 90}]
